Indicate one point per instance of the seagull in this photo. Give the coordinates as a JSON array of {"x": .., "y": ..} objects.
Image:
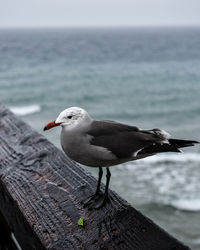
[{"x": 105, "y": 143}]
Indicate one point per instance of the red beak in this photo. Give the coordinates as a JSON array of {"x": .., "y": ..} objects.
[{"x": 51, "y": 125}]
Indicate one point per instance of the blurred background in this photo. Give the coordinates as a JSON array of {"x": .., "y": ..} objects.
[{"x": 133, "y": 61}]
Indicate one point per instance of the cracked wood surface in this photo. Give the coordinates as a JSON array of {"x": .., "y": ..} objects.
[{"x": 42, "y": 193}]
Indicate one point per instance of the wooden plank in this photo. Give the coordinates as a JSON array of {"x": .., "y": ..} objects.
[{"x": 42, "y": 195}]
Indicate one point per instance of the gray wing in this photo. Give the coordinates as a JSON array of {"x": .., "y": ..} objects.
[
  {"x": 123, "y": 140},
  {"x": 107, "y": 127}
]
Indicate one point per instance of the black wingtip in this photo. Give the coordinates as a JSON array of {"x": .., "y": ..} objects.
[
  {"x": 183, "y": 143},
  {"x": 194, "y": 142},
  {"x": 45, "y": 128}
]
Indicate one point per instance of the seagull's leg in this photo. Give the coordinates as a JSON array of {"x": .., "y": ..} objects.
[
  {"x": 96, "y": 195},
  {"x": 108, "y": 175},
  {"x": 103, "y": 199},
  {"x": 99, "y": 182}
]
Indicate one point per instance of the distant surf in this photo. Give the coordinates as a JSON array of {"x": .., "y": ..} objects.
[
  {"x": 187, "y": 205},
  {"x": 25, "y": 110},
  {"x": 173, "y": 157}
]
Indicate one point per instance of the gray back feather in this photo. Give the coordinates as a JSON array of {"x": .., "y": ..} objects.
[{"x": 121, "y": 139}]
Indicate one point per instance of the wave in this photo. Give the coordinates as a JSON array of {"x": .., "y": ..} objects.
[
  {"x": 25, "y": 110},
  {"x": 192, "y": 205},
  {"x": 172, "y": 157}
]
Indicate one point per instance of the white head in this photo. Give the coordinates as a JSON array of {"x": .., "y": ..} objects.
[{"x": 70, "y": 118}]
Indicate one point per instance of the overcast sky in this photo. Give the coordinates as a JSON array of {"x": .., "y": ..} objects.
[{"x": 63, "y": 13}]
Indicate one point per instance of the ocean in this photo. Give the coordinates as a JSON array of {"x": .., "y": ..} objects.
[{"x": 147, "y": 77}]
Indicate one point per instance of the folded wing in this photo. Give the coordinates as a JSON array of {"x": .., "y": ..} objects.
[{"x": 126, "y": 141}]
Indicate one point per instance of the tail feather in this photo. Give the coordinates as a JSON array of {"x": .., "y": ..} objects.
[
  {"x": 182, "y": 143},
  {"x": 172, "y": 146}
]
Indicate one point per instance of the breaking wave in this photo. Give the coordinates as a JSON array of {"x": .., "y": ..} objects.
[
  {"x": 25, "y": 110},
  {"x": 173, "y": 157},
  {"x": 172, "y": 180},
  {"x": 192, "y": 205}
]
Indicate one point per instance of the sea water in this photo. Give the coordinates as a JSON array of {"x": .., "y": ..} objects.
[{"x": 147, "y": 77}]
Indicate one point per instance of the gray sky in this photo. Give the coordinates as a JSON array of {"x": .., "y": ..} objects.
[{"x": 51, "y": 13}]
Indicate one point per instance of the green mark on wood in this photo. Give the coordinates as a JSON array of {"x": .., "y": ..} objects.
[{"x": 80, "y": 222}]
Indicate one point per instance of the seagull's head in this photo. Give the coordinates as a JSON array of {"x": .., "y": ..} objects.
[{"x": 70, "y": 117}]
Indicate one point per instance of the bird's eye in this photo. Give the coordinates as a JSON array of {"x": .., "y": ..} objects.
[{"x": 69, "y": 117}]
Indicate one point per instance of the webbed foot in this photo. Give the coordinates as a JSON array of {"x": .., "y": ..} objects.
[
  {"x": 99, "y": 203},
  {"x": 93, "y": 199}
]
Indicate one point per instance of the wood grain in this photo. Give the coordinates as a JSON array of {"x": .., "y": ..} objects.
[{"x": 42, "y": 194}]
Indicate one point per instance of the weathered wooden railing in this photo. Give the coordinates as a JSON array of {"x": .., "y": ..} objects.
[{"x": 42, "y": 193}]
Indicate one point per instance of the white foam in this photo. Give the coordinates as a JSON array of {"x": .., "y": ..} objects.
[
  {"x": 25, "y": 110},
  {"x": 192, "y": 205},
  {"x": 173, "y": 157}
]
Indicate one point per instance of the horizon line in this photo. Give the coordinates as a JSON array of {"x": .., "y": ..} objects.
[{"x": 101, "y": 26}]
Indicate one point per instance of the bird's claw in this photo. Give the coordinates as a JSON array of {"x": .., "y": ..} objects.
[
  {"x": 92, "y": 199},
  {"x": 101, "y": 202}
]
